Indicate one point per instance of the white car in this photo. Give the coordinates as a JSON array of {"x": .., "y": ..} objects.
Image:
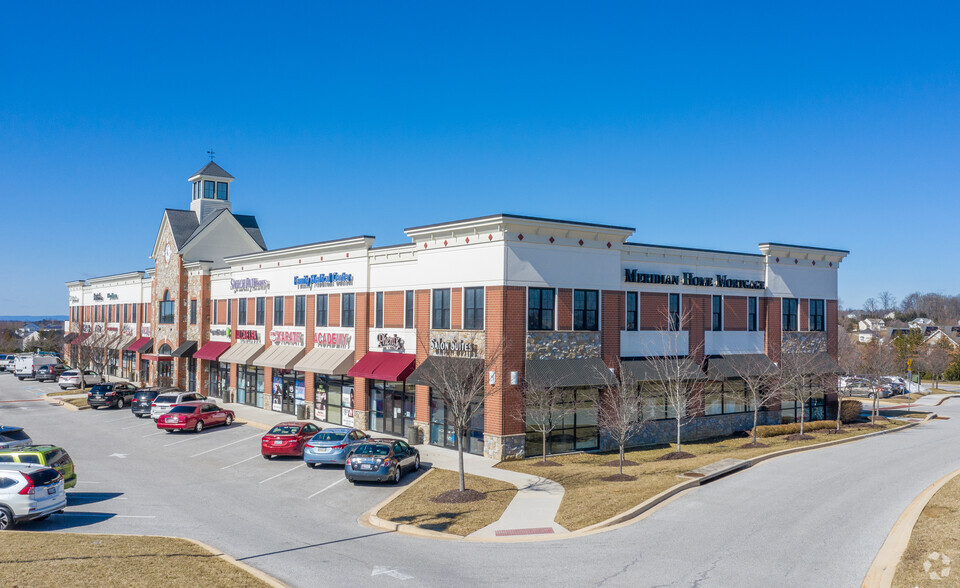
[
  {"x": 14, "y": 437},
  {"x": 78, "y": 379},
  {"x": 28, "y": 492},
  {"x": 8, "y": 363},
  {"x": 162, "y": 404}
]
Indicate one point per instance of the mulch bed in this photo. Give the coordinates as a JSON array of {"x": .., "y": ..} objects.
[
  {"x": 753, "y": 445},
  {"x": 619, "y": 478},
  {"x": 458, "y": 497},
  {"x": 546, "y": 464},
  {"x": 799, "y": 437},
  {"x": 616, "y": 463},
  {"x": 675, "y": 455}
]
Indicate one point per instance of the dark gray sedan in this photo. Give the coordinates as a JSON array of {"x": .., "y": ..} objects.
[
  {"x": 332, "y": 446},
  {"x": 381, "y": 460}
]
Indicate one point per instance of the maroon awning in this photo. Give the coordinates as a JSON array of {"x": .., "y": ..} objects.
[
  {"x": 139, "y": 344},
  {"x": 212, "y": 350},
  {"x": 80, "y": 338},
  {"x": 377, "y": 365},
  {"x": 155, "y": 357}
]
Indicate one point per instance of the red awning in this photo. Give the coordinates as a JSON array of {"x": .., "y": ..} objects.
[
  {"x": 80, "y": 338},
  {"x": 212, "y": 350},
  {"x": 377, "y": 365},
  {"x": 154, "y": 357},
  {"x": 138, "y": 344}
]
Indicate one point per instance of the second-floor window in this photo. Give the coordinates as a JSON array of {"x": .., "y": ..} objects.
[
  {"x": 540, "y": 309},
  {"x": 441, "y": 308},
  {"x": 193, "y": 312},
  {"x": 216, "y": 312},
  {"x": 278, "y": 311},
  {"x": 261, "y": 311},
  {"x": 817, "y": 318},
  {"x": 242, "y": 311},
  {"x": 585, "y": 310},
  {"x": 674, "y": 311},
  {"x": 716, "y": 317},
  {"x": 408, "y": 309},
  {"x": 229, "y": 312},
  {"x": 473, "y": 309},
  {"x": 789, "y": 314},
  {"x": 752, "y": 313},
  {"x": 300, "y": 311},
  {"x": 347, "y": 308},
  {"x": 378, "y": 312},
  {"x": 632, "y": 312},
  {"x": 126, "y": 308},
  {"x": 321, "y": 318},
  {"x": 134, "y": 319},
  {"x": 167, "y": 307}
]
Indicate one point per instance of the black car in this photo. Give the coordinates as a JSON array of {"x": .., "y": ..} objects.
[
  {"x": 381, "y": 460},
  {"x": 50, "y": 372},
  {"x": 140, "y": 406},
  {"x": 117, "y": 395}
]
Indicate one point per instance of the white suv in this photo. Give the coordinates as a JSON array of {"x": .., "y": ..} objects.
[
  {"x": 162, "y": 404},
  {"x": 29, "y": 492}
]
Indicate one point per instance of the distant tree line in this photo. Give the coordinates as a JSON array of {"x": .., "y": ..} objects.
[{"x": 943, "y": 309}]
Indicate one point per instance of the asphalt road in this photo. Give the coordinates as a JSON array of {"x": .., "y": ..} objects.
[{"x": 811, "y": 519}]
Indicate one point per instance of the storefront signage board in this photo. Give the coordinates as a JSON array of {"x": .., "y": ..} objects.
[
  {"x": 633, "y": 276},
  {"x": 249, "y": 285},
  {"x": 322, "y": 280},
  {"x": 330, "y": 338},
  {"x": 288, "y": 337},
  {"x": 393, "y": 340},
  {"x": 470, "y": 344}
]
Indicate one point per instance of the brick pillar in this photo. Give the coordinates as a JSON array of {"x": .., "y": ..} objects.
[
  {"x": 564, "y": 309},
  {"x": 361, "y": 338},
  {"x": 832, "y": 328},
  {"x": 612, "y": 317},
  {"x": 421, "y": 319},
  {"x": 803, "y": 314},
  {"x": 772, "y": 322},
  {"x": 506, "y": 351}
]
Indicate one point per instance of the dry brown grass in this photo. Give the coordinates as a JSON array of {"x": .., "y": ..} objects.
[
  {"x": 414, "y": 506},
  {"x": 78, "y": 402},
  {"x": 936, "y": 532},
  {"x": 74, "y": 559},
  {"x": 68, "y": 392},
  {"x": 588, "y": 499}
]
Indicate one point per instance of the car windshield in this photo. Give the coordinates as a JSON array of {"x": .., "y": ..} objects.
[
  {"x": 183, "y": 409},
  {"x": 284, "y": 430},
  {"x": 329, "y": 436},
  {"x": 18, "y": 435},
  {"x": 142, "y": 395},
  {"x": 71, "y": 373},
  {"x": 101, "y": 388},
  {"x": 373, "y": 450},
  {"x": 166, "y": 399}
]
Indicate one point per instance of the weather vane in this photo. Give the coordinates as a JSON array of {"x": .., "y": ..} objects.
[{"x": 210, "y": 153}]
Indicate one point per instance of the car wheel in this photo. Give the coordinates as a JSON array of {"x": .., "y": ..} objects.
[
  {"x": 416, "y": 464},
  {"x": 198, "y": 427},
  {"x": 6, "y": 518},
  {"x": 311, "y": 465},
  {"x": 63, "y": 387},
  {"x": 871, "y": 395},
  {"x": 267, "y": 457},
  {"x": 228, "y": 422},
  {"x": 120, "y": 403},
  {"x": 396, "y": 475}
]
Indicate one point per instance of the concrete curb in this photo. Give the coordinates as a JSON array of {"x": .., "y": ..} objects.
[
  {"x": 66, "y": 405},
  {"x": 631, "y": 516},
  {"x": 254, "y": 424},
  {"x": 884, "y": 566},
  {"x": 260, "y": 575}
]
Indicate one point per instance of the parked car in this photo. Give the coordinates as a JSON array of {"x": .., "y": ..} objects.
[
  {"x": 116, "y": 395},
  {"x": 333, "y": 445},
  {"x": 26, "y": 364},
  {"x": 50, "y": 456},
  {"x": 865, "y": 388},
  {"x": 140, "y": 406},
  {"x": 50, "y": 372},
  {"x": 164, "y": 402},
  {"x": 78, "y": 379},
  {"x": 29, "y": 492},
  {"x": 13, "y": 437},
  {"x": 195, "y": 416},
  {"x": 381, "y": 460},
  {"x": 898, "y": 384},
  {"x": 287, "y": 439},
  {"x": 3, "y": 361}
]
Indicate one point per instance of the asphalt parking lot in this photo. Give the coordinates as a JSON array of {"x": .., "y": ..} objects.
[{"x": 213, "y": 486}]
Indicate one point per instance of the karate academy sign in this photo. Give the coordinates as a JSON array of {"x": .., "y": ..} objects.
[{"x": 633, "y": 276}]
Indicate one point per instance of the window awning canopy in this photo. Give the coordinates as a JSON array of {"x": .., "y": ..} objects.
[
  {"x": 212, "y": 350},
  {"x": 121, "y": 342},
  {"x": 185, "y": 350},
  {"x": 650, "y": 370},
  {"x": 566, "y": 373},
  {"x": 436, "y": 369},
  {"x": 70, "y": 337},
  {"x": 281, "y": 357},
  {"x": 736, "y": 366},
  {"x": 242, "y": 353},
  {"x": 80, "y": 339},
  {"x": 333, "y": 362},
  {"x": 379, "y": 365},
  {"x": 140, "y": 345}
]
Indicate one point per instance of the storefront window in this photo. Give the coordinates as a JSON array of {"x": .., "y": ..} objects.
[
  {"x": 219, "y": 379},
  {"x": 144, "y": 371},
  {"x": 250, "y": 385},
  {"x": 129, "y": 364},
  {"x": 444, "y": 434},
  {"x": 191, "y": 375},
  {"x": 577, "y": 432},
  {"x": 724, "y": 398},
  {"x": 391, "y": 406},
  {"x": 814, "y": 410},
  {"x": 287, "y": 391},
  {"x": 164, "y": 373},
  {"x": 333, "y": 399}
]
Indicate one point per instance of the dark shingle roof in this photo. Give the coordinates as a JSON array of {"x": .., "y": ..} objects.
[
  {"x": 249, "y": 224},
  {"x": 183, "y": 223},
  {"x": 213, "y": 170}
]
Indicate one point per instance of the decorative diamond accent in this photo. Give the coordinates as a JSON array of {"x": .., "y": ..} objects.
[
  {"x": 814, "y": 262},
  {"x": 831, "y": 264},
  {"x": 520, "y": 236},
  {"x": 444, "y": 242},
  {"x": 796, "y": 261},
  {"x": 581, "y": 242},
  {"x": 490, "y": 237},
  {"x": 609, "y": 245},
  {"x": 467, "y": 239},
  {"x": 424, "y": 245},
  {"x": 778, "y": 260},
  {"x": 551, "y": 239}
]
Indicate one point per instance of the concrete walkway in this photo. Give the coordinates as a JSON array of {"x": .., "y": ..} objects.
[{"x": 532, "y": 510}]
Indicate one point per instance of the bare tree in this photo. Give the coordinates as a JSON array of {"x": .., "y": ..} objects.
[
  {"x": 620, "y": 414},
  {"x": 935, "y": 360},
  {"x": 545, "y": 406},
  {"x": 461, "y": 384},
  {"x": 871, "y": 306},
  {"x": 887, "y": 301},
  {"x": 800, "y": 380},
  {"x": 877, "y": 359},
  {"x": 677, "y": 380},
  {"x": 761, "y": 385}
]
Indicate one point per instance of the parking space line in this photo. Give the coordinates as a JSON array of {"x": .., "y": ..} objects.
[
  {"x": 227, "y": 445},
  {"x": 118, "y": 420},
  {"x": 327, "y": 488},
  {"x": 152, "y": 434},
  {"x": 282, "y": 473},
  {"x": 241, "y": 461},
  {"x": 182, "y": 441},
  {"x": 132, "y": 426}
]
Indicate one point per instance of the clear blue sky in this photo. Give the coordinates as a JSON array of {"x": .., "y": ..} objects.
[{"x": 701, "y": 124}]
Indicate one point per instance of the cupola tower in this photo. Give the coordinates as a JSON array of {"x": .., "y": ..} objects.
[{"x": 211, "y": 190}]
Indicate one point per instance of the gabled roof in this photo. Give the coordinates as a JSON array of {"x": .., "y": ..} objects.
[
  {"x": 183, "y": 224},
  {"x": 249, "y": 224},
  {"x": 213, "y": 170}
]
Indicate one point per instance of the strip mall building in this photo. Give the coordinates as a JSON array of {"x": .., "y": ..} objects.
[{"x": 336, "y": 330}]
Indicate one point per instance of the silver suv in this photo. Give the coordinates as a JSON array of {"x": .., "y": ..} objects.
[
  {"x": 28, "y": 492},
  {"x": 162, "y": 404}
]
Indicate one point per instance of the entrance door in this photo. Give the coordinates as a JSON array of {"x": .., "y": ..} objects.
[
  {"x": 289, "y": 404},
  {"x": 393, "y": 412}
]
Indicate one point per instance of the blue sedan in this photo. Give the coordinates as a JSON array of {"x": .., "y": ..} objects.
[
  {"x": 381, "y": 460},
  {"x": 332, "y": 446}
]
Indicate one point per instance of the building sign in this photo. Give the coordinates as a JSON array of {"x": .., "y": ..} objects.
[
  {"x": 97, "y": 329},
  {"x": 249, "y": 285},
  {"x": 332, "y": 340},
  {"x": 393, "y": 343},
  {"x": 393, "y": 340},
  {"x": 319, "y": 280},
  {"x": 86, "y": 327},
  {"x": 220, "y": 332},
  {"x": 113, "y": 330},
  {"x": 74, "y": 299},
  {"x": 145, "y": 330},
  {"x": 457, "y": 343},
  {"x": 278, "y": 337},
  {"x": 633, "y": 276},
  {"x": 128, "y": 330},
  {"x": 112, "y": 296},
  {"x": 98, "y": 296},
  {"x": 248, "y": 335}
]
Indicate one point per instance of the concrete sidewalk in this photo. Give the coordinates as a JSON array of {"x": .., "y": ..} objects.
[{"x": 532, "y": 510}]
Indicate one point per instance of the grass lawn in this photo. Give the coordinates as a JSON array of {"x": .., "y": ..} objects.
[
  {"x": 78, "y": 402},
  {"x": 588, "y": 499},
  {"x": 415, "y": 507},
  {"x": 903, "y": 398},
  {"x": 74, "y": 559},
  {"x": 935, "y": 537},
  {"x": 68, "y": 392}
]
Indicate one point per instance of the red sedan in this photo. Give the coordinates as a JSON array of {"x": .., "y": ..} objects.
[
  {"x": 287, "y": 439},
  {"x": 194, "y": 415}
]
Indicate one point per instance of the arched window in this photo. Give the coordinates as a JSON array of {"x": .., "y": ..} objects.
[
  {"x": 164, "y": 350},
  {"x": 167, "y": 308}
]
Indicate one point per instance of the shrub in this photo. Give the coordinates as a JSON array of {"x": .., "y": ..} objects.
[
  {"x": 793, "y": 428},
  {"x": 850, "y": 409}
]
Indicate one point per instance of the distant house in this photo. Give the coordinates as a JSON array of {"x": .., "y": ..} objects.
[
  {"x": 921, "y": 323},
  {"x": 867, "y": 335},
  {"x": 938, "y": 335},
  {"x": 890, "y": 315},
  {"x": 871, "y": 324},
  {"x": 27, "y": 329},
  {"x": 852, "y": 315}
]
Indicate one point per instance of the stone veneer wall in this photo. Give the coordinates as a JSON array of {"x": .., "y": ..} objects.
[
  {"x": 804, "y": 342},
  {"x": 561, "y": 345},
  {"x": 503, "y": 447},
  {"x": 665, "y": 431}
]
